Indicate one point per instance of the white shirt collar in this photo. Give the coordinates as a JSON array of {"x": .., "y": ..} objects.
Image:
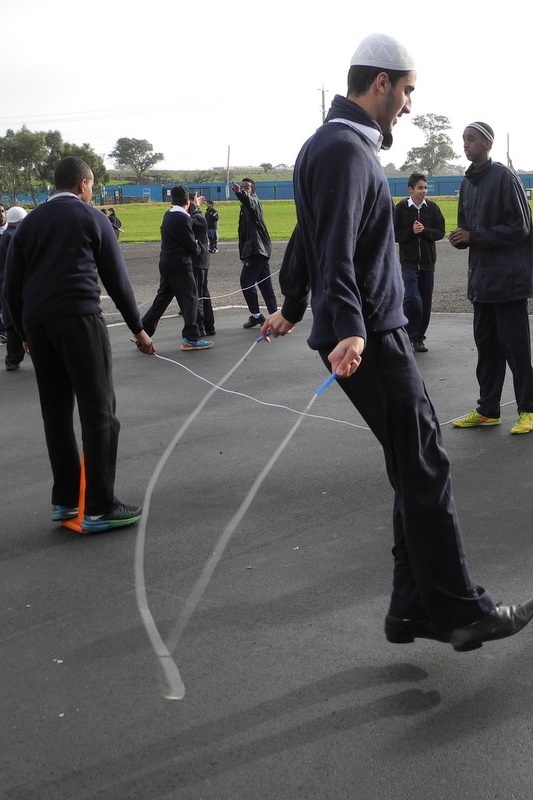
[
  {"x": 410, "y": 203},
  {"x": 374, "y": 137},
  {"x": 178, "y": 208},
  {"x": 62, "y": 194}
]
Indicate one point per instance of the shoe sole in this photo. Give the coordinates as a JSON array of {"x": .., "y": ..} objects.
[
  {"x": 476, "y": 424},
  {"x": 195, "y": 347},
  {"x": 91, "y": 526},
  {"x": 467, "y": 648},
  {"x": 409, "y": 638},
  {"x": 60, "y": 516}
]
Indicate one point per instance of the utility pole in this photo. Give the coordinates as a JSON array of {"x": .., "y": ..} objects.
[
  {"x": 323, "y": 91},
  {"x": 509, "y": 161},
  {"x": 227, "y": 176}
]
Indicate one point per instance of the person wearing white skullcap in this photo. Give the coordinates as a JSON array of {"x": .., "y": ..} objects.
[
  {"x": 494, "y": 222},
  {"x": 343, "y": 253},
  {"x": 14, "y": 347},
  {"x": 3, "y": 228}
]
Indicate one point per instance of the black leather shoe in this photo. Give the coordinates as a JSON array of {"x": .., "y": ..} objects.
[
  {"x": 405, "y": 631},
  {"x": 503, "y": 621},
  {"x": 419, "y": 346},
  {"x": 253, "y": 321}
]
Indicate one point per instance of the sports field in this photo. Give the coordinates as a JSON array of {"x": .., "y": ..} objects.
[{"x": 141, "y": 221}]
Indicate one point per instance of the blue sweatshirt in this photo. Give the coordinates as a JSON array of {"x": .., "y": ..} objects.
[
  {"x": 343, "y": 248},
  {"x": 57, "y": 258}
]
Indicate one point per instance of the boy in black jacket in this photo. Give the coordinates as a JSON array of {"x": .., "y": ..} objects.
[
  {"x": 418, "y": 224},
  {"x": 255, "y": 248},
  {"x": 495, "y": 224}
]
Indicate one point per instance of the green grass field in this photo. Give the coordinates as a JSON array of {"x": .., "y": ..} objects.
[{"x": 141, "y": 222}]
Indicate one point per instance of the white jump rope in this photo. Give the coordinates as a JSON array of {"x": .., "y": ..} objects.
[{"x": 174, "y": 688}]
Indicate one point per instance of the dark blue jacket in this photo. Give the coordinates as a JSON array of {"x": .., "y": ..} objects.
[
  {"x": 343, "y": 246},
  {"x": 254, "y": 239},
  {"x": 58, "y": 256},
  {"x": 494, "y": 208}
]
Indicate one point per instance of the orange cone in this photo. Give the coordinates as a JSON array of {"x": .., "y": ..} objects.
[{"x": 75, "y": 524}]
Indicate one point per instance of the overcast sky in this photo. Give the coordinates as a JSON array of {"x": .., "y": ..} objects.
[{"x": 194, "y": 79}]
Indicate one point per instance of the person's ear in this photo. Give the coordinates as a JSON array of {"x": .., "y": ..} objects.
[{"x": 382, "y": 82}]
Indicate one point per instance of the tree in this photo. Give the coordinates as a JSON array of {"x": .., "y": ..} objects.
[
  {"x": 437, "y": 151},
  {"x": 135, "y": 154},
  {"x": 58, "y": 149},
  {"x": 266, "y": 167},
  {"x": 392, "y": 171},
  {"x": 96, "y": 162},
  {"x": 21, "y": 155},
  {"x": 28, "y": 160}
]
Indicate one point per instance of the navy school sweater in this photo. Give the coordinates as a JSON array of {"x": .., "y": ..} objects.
[
  {"x": 59, "y": 255},
  {"x": 343, "y": 248}
]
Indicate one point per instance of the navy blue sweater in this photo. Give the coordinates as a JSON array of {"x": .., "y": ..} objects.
[
  {"x": 178, "y": 245},
  {"x": 343, "y": 246},
  {"x": 58, "y": 255}
]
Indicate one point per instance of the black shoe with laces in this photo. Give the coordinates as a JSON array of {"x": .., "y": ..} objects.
[
  {"x": 253, "y": 321},
  {"x": 119, "y": 517}
]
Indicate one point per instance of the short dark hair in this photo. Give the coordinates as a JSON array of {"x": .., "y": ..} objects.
[
  {"x": 414, "y": 178},
  {"x": 361, "y": 78},
  {"x": 249, "y": 180},
  {"x": 70, "y": 171},
  {"x": 179, "y": 195}
]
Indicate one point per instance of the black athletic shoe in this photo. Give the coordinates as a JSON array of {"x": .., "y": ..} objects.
[
  {"x": 253, "y": 321},
  {"x": 121, "y": 516}
]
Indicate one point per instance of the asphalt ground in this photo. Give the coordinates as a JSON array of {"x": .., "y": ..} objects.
[
  {"x": 291, "y": 689},
  {"x": 225, "y": 266}
]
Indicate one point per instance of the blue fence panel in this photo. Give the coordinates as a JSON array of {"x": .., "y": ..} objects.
[{"x": 439, "y": 186}]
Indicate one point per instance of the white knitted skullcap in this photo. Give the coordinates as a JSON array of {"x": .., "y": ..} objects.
[
  {"x": 15, "y": 214},
  {"x": 384, "y": 52}
]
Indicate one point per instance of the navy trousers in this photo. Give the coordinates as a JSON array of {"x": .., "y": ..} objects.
[
  {"x": 72, "y": 361},
  {"x": 206, "y": 316},
  {"x": 431, "y": 577},
  {"x": 502, "y": 336},
  {"x": 256, "y": 270},
  {"x": 182, "y": 286},
  {"x": 418, "y": 286}
]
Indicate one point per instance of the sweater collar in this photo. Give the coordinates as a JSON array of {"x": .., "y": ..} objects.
[
  {"x": 63, "y": 194},
  {"x": 474, "y": 174},
  {"x": 342, "y": 108}
]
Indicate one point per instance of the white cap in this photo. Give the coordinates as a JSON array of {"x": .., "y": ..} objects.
[
  {"x": 384, "y": 52},
  {"x": 15, "y": 214}
]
